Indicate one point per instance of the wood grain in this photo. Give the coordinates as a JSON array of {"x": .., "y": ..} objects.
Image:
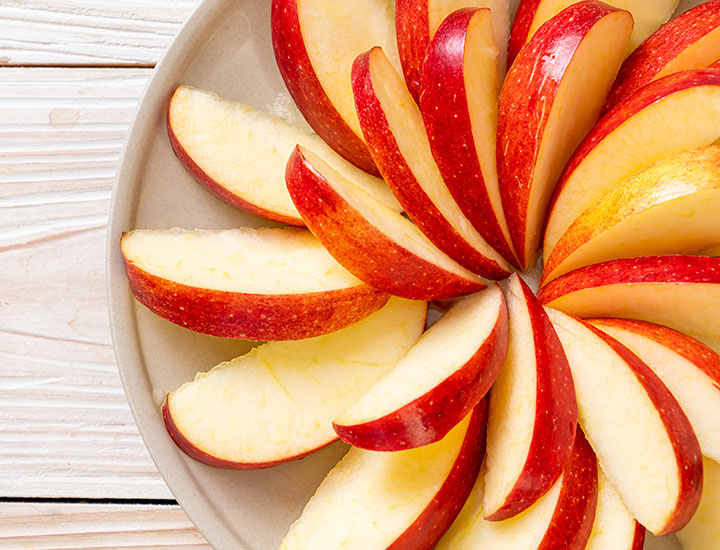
[
  {"x": 65, "y": 427},
  {"x": 79, "y": 32}
]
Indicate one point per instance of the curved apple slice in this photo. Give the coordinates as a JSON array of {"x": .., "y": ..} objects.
[
  {"x": 253, "y": 284},
  {"x": 400, "y": 501},
  {"x": 561, "y": 519},
  {"x": 417, "y": 21},
  {"x": 643, "y": 440},
  {"x": 551, "y": 98},
  {"x": 532, "y": 14},
  {"x": 671, "y": 207},
  {"x": 614, "y": 528},
  {"x": 703, "y": 531},
  {"x": 379, "y": 246},
  {"x": 533, "y": 412},
  {"x": 437, "y": 383},
  {"x": 315, "y": 43},
  {"x": 677, "y": 113},
  {"x": 682, "y": 292},
  {"x": 239, "y": 153},
  {"x": 277, "y": 402},
  {"x": 689, "y": 369},
  {"x": 689, "y": 41},
  {"x": 459, "y": 102},
  {"x": 393, "y": 127}
]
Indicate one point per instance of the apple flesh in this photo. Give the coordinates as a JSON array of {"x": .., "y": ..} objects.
[
  {"x": 404, "y": 500},
  {"x": 703, "y": 531},
  {"x": 533, "y": 411},
  {"x": 459, "y": 102},
  {"x": 393, "y": 127},
  {"x": 376, "y": 244},
  {"x": 253, "y": 284},
  {"x": 547, "y": 107},
  {"x": 677, "y": 113},
  {"x": 277, "y": 402},
  {"x": 671, "y": 207},
  {"x": 562, "y": 518},
  {"x": 437, "y": 383},
  {"x": 315, "y": 44},
  {"x": 643, "y": 440}
]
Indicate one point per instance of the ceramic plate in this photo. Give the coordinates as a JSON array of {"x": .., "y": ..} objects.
[{"x": 223, "y": 47}]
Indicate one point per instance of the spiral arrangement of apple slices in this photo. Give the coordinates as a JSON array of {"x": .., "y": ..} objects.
[{"x": 443, "y": 158}]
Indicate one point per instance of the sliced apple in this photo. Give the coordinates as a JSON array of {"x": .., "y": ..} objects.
[
  {"x": 689, "y": 369},
  {"x": 532, "y": 14},
  {"x": 277, "y": 402},
  {"x": 533, "y": 412},
  {"x": 561, "y": 519},
  {"x": 643, "y": 440},
  {"x": 677, "y": 113},
  {"x": 551, "y": 98},
  {"x": 437, "y": 383},
  {"x": 315, "y": 43},
  {"x": 671, "y": 207},
  {"x": 254, "y": 284},
  {"x": 703, "y": 531},
  {"x": 689, "y": 41},
  {"x": 459, "y": 106},
  {"x": 682, "y": 292},
  {"x": 614, "y": 528},
  {"x": 404, "y": 500},
  {"x": 379, "y": 246},
  {"x": 714, "y": 251},
  {"x": 393, "y": 127},
  {"x": 417, "y": 21}
]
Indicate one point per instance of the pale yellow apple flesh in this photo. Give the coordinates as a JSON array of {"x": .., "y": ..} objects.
[
  {"x": 614, "y": 527},
  {"x": 278, "y": 401},
  {"x": 703, "y": 531},
  {"x": 701, "y": 53}
]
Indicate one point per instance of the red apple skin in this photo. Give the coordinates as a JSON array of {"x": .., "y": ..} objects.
[
  {"x": 524, "y": 109},
  {"x": 307, "y": 91},
  {"x": 639, "y": 540},
  {"x": 412, "y": 27},
  {"x": 253, "y": 316},
  {"x": 682, "y": 436},
  {"x": 444, "y": 106},
  {"x": 429, "y": 527},
  {"x": 360, "y": 247},
  {"x": 555, "y": 417},
  {"x": 217, "y": 189},
  {"x": 441, "y": 408},
  {"x": 650, "y": 57},
  {"x": 402, "y": 182},
  {"x": 521, "y": 27}
]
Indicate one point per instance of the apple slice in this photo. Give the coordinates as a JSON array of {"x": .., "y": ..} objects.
[
  {"x": 379, "y": 246},
  {"x": 404, "y": 500},
  {"x": 533, "y": 412},
  {"x": 668, "y": 116},
  {"x": 643, "y": 440},
  {"x": 239, "y": 153},
  {"x": 689, "y": 41},
  {"x": 459, "y": 107},
  {"x": 254, "y": 284},
  {"x": 277, "y": 402},
  {"x": 561, "y": 519},
  {"x": 437, "y": 383},
  {"x": 703, "y": 531},
  {"x": 417, "y": 21},
  {"x": 614, "y": 528},
  {"x": 714, "y": 251},
  {"x": 671, "y": 207},
  {"x": 682, "y": 292},
  {"x": 315, "y": 43},
  {"x": 551, "y": 98},
  {"x": 689, "y": 369},
  {"x": 532, "y": 14},
  {"x": 393, "y": 127}
]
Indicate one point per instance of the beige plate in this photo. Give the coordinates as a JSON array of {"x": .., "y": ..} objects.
[{"x": 224, "y": 47}]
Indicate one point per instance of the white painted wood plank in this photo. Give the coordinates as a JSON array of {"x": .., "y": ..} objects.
[
  {"x": 90, "y": 32},
  {"x": 50, "y": 526},
  {"x": 65, "y": 427}
]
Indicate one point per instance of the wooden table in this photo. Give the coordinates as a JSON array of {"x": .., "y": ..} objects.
[{"x": 74, "y": 472}]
